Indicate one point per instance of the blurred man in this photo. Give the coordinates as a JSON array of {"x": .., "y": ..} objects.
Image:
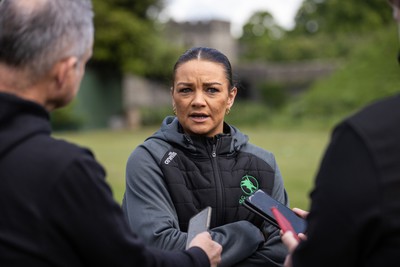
[
  {"x": 355, "y": 212},
  {"x": 55, "y": 206}
]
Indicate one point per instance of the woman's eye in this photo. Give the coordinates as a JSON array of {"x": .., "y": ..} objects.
[
  {"x": 184, "y": 90},
  {"x": 212, "y": 90}
]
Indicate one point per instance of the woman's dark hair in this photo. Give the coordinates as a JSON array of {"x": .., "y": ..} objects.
[{"x": 207, "y": 54}]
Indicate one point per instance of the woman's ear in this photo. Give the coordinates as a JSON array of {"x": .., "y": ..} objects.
[{"x": 231, "y": 96}]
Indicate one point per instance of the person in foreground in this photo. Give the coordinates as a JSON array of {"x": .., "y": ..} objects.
[
  {"x": 56, "y": 208},
  {"x": 196, "y": 160},
  {"x": 354, "y": 218}
]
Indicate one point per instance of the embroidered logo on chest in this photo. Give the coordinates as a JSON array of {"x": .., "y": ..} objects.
[{"x": 249, "y": 185}]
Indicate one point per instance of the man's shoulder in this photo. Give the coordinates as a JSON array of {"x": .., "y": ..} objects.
[
  {"x": 55, "y": 154},
  {"x": 57, "y": 147},
  {"x": 378, "y": 124},
  {"x": 382, "y": 114},
  {"x": 385, "y": 103}
]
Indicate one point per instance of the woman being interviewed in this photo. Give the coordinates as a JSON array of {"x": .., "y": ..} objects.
[{"x": 197, "y": 160}]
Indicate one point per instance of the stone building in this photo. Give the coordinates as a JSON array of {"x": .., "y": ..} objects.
[{"x": 213, "y": 33}]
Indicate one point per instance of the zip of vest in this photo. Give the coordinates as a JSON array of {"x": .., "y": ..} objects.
[{"x": 220, "y": 214}]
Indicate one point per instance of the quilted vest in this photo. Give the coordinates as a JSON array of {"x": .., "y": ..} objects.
[{"x": 217, "y": 178}]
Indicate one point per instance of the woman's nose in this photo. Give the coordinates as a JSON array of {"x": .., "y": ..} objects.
[{"x": 198, "y": 99}]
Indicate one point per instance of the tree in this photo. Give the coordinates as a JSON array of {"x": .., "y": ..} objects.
[
  {"x": 336, "y": 16},
  {"x": 139, "y": 8},
  {"x": 371, "y": 73},
  {"x": 127, "y": 38},
  {"x": 325, "y": 29},
  {"x": 259, "y": 32}
]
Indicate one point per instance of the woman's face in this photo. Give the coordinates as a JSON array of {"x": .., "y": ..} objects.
[{"x": 201, "y": 97}]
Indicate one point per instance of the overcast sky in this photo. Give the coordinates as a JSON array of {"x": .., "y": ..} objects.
[{"x": 235, "y": 11}]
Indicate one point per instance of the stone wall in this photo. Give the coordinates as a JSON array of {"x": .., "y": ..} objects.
[
  {"x": 214, "y": 33},
  {"x": 138, "y": 92}
]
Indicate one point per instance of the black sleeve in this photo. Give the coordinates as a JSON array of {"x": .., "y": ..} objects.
[
  {"x": 344, "y": 201},
  {"x": 84, "y": 212}
]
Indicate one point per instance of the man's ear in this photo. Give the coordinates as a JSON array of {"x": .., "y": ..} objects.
[{"x": 63, "y": 69}]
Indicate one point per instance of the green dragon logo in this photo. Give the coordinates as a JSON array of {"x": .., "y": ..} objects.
[{"x": 249, "y": 185}]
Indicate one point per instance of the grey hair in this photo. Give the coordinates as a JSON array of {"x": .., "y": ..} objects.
[{"x": 35, "y": 34}]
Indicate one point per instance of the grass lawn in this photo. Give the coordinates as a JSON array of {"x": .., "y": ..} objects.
[{"x": 297, "y": 152}]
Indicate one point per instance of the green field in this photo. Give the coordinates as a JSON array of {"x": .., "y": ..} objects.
[{"x": 297, "y": 151}]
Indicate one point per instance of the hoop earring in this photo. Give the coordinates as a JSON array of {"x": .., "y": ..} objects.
[{"x": 174, "y": 110}]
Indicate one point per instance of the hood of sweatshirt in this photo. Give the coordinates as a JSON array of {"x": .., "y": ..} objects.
[{"x": 171, "y": 132}]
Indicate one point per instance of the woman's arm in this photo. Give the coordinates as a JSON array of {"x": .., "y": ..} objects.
[{"x": 147, "y": 203}]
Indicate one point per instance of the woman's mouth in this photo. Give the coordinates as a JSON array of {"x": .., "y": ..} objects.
[{"x": 198, "y": 117}]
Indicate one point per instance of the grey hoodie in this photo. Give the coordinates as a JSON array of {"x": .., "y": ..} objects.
[{"x": 150, "y": 209}]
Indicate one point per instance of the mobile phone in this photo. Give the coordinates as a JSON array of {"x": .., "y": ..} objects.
[
  {"x": 198, "y": 224},
  {"x": 283, "y": 223},
  {"x": 261, "y": 204}
]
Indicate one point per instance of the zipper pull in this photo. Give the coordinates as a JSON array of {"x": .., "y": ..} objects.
[{"x": 214, "y": 153}]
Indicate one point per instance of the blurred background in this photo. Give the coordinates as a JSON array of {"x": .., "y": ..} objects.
[{"x": 300, "y": 65}]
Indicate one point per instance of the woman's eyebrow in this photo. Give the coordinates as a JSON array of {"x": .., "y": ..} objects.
[
  {"x": 212, "y": 83},
  {"x": 184, "y": 83},
  {"x": 206, "y": 84}
]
